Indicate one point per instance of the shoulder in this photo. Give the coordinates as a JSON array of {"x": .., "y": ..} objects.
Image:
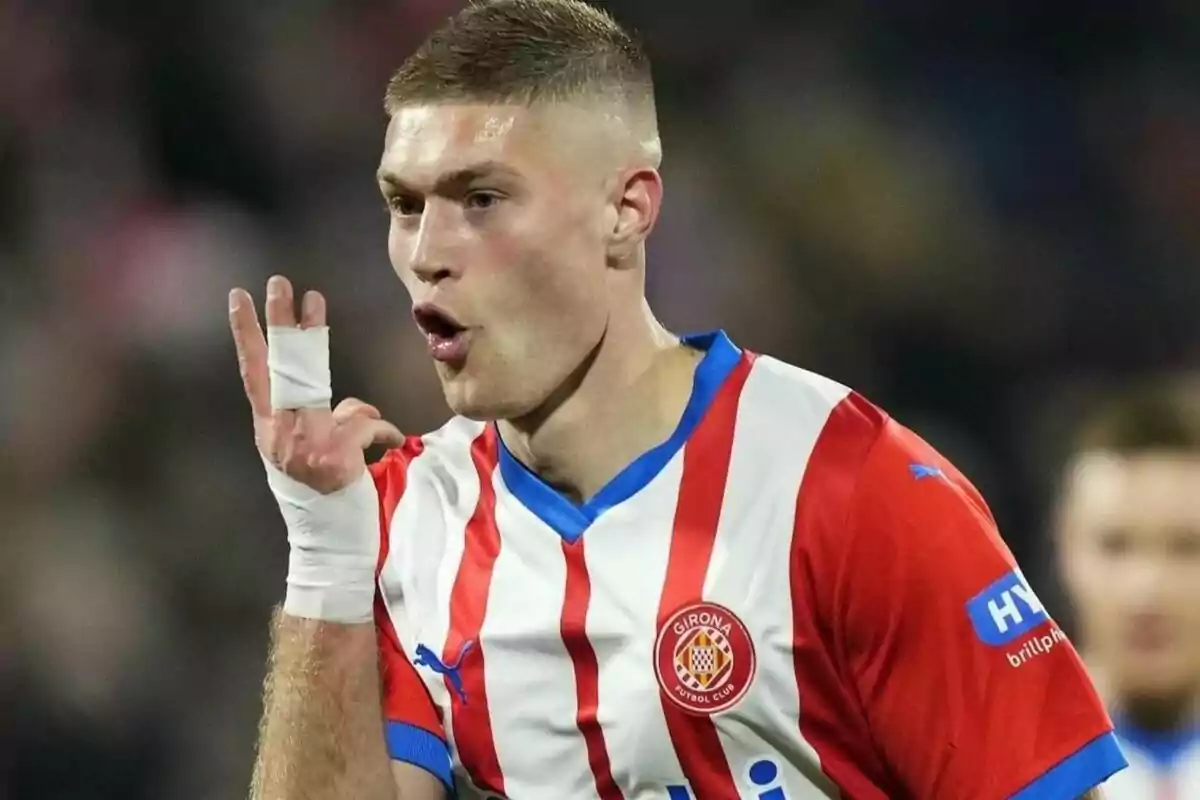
[
  {"x": 794, "y": 414},
  {"x": 906, "y": 486},
  {"x": 791, "y": 397},
  {"x": 423, "y": 483},
  {"x": 449, "y": 455},
  {"x": 863, "y": 469},
  {"x": 794, "y": 401}
]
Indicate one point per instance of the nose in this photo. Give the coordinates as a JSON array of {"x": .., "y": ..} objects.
[{"x": 432, "y": 259}]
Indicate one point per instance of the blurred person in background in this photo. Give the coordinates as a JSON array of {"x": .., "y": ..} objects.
[{"x": 1129, "y": 548}]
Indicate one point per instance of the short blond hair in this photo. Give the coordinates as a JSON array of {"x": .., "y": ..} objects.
[{"x": 525, "y": 52}]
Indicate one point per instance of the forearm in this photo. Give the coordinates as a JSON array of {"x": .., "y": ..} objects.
[{"x": 321, "y": 736}]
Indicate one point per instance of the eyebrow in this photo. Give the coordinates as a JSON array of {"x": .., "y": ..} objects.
[{"x": 454, "y": 179}]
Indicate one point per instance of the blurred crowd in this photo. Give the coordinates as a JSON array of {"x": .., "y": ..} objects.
[{"x": 978, "y": 214}]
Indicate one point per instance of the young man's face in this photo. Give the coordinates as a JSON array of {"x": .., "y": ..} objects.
[
  {"x": 1130, "y": 556},
  {"x": 499, "y": 218}
]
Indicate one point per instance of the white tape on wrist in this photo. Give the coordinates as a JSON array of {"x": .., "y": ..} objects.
[
  {"x": 298, "y": 362},
  {"x": 334, "y": 548}
]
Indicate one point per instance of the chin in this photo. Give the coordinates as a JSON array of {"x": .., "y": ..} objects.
[{"x": 467, "y": 398}]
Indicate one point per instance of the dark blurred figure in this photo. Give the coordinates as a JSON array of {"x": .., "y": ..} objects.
[{"x": 1129, "y": 547}]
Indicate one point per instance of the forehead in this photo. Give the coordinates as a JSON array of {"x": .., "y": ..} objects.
[
  {"x": 1142, "y": 491},
  {"x": 424, "y": 142}
]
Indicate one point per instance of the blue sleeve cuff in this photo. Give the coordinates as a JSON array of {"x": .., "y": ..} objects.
[
  {"x": 1091, "y": 765},
  {"x": 419, "y": 747}
]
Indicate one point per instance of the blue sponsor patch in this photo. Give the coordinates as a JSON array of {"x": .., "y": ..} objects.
[{"x": 1006, "y": 610}]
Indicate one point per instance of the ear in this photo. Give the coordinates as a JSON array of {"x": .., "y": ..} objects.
[{"x": 637, "y": 197}]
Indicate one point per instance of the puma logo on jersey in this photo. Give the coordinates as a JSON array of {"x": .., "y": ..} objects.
[
  {"x": 427, "y": 658},
  {"x": 920, "y": 471}
]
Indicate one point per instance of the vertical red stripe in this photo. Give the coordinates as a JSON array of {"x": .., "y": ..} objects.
[
  {"x": 471, "y": 721},
  {"x": 390, "y": 474},
  {"x": 701, "y": 495},
  {"x": 830, "y": 718},
  {"x": 587, "y": 669}
]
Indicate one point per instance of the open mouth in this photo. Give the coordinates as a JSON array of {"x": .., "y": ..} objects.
[
  {"x": 437, "y": 323},
  {"x": 444, "y": 334}
]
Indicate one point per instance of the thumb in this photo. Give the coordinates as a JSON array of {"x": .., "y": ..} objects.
[
  {"x": 352, "y": 407},
  {"x": 364, "y": 432}
]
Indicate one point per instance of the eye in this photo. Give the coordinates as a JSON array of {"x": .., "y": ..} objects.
[
  {"x": 1185, "y": 543},
  {"x": 1114, "y": 542},
  {"x": 405, "y": 205},
  {"x": 481, "y": 200}
]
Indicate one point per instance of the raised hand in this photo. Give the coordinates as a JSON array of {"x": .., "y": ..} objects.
[{"x": 316, "y": 446}]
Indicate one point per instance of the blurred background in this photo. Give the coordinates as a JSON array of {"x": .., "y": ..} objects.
[{"x": 980, "y": 215}]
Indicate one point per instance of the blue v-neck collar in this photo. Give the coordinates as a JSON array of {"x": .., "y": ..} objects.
[{"x": 570, "y": 519}]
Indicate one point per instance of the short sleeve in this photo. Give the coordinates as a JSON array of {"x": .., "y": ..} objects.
[
  {"x": 413, "y": 729},
  {"x": 968, "y": 687}
]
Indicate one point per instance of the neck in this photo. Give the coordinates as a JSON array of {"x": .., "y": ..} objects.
[{"x": 627, "y": 398}]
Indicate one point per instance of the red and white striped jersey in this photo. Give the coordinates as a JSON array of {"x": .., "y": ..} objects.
[{"x": 792, "y": 597}]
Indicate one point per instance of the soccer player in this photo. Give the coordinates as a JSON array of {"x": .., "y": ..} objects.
[
  {"x": 1129, "y": 547},
  {"x": 633, "y": 565}
]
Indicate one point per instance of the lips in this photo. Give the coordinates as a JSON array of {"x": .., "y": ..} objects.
[{"x": 446, "y": 337}]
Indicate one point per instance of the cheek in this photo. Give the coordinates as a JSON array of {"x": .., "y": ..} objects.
[
  {"x": 1100, "y": 603},
  {"x": 551, "y": 289},
  {"x": 559, "y": 268},
  {"x": 1090, "y": 582},
  {"x": 572, "y": 223},
  {"x": 1185, "y": 590}
]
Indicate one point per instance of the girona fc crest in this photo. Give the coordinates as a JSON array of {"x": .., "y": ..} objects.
[{"x": 704, "y": 658}]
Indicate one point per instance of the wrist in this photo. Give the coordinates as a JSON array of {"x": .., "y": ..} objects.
[
  {"x": 322, "y": 591},
  {"x": 334, "y": 542}
]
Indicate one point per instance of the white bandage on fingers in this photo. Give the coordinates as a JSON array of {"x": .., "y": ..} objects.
[
  {"x": 334, "y": 537},
  {"x": 298, "y": 362}
]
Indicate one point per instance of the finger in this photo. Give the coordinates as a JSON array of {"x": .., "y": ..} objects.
[
  {"x": 312, "y": 310},
  {"x": 352, "y": 407},
  {"x": 286, "y": 433},
  {"x": 251, "y": 351},
  {"x": 364, "y": 432},
  {"x": 281, "y": 303}
]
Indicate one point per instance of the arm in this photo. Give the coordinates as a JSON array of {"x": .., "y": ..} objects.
[
  {"x": 968, "y": 687},
  {"x": 322, "y": 735},
  {"x": 322, "y": 729}
]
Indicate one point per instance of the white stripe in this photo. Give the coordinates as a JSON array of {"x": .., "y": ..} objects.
[
  {"x": 530, "y": 682},
  {"x": 781, "y": 413},
  {"x": 627, "y": 551}
]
